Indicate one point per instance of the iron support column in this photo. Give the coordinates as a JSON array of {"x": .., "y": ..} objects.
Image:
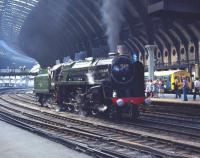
[
  {"x": 197, "y": 70},
  {"x": 151, "y": 60}
]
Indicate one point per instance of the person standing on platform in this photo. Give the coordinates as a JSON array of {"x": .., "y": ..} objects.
[
  {"x": 196, "y": 88},
  {"x": 148, "y": 89},
  {"x": 185, "y": 89},
  {"x": 176, "y": 87},
  {"x": 198, "y": 85},
  {"x": 159, "y": 87},
  {"x": 152, "y": 88}
]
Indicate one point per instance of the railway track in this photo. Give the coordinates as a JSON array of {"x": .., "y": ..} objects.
[
  {"x": 174, "y": 109},
  {"x": 109, "y": 147},
  {"x": 157, "y": 146},
  {"x": 155, "y": 112},
  {"x": 186, "y": 127},
  {"x": 14, "y": 90},
  {"x": 72, "y": 138}
]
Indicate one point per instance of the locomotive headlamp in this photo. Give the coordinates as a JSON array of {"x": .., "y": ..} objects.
[{"x": 120, "y": 102}]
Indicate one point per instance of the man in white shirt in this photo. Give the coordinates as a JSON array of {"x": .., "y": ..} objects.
[{"x": 196, "y": 88}]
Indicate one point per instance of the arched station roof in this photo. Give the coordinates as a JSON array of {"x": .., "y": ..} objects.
[
  {"x": 48, "y": 30},
  {"x": 13, "y": 14}
]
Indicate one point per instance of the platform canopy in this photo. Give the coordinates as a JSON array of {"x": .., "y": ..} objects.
[{"x": 48, "y": 30}]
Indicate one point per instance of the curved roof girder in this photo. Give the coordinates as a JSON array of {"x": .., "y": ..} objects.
[
  {"x": 129, "y": 46},
  {"x": 139, "y": 44},
  {"x": 183, "y": 31},
  {"x": 195, "y": 29},
  {"x": 159, "y": 42},
  {"x": 81, "y": 21},
  {"x": 134, "y": 45},
  {"x": 90, "y": 12},
  {"x": 79, "y": 16},
  {"x": 165, "y": 37}
]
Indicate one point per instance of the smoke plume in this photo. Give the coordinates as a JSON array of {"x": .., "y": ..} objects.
[
  {"x": 90, "y": 77},
  {"x": 112, "y": 17}
]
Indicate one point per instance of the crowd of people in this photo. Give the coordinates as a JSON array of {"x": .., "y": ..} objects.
[{"x": 155, "y": 88}]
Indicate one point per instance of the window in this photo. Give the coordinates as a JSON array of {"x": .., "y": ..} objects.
[
  {"x": 182, "y": 51},
  {"x": 174, "y": 52},
  {"x": 192, "y": 49},
  {"x": 166, "y": 53}
]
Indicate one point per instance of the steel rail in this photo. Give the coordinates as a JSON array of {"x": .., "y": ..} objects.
[
  {"x": 178, "y": 128},
  {"x": 64, "y": 132},
  {"x": 126, "y": 132}
]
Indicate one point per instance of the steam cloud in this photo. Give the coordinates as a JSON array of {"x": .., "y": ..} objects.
[
  {"x": 111, "y": 11},
  {"x": 90, "y": 77}
]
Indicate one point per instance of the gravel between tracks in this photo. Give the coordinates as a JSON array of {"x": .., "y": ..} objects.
[{"x": 176, "y": 147}]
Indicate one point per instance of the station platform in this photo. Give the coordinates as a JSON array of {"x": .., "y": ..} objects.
[
  {"x": 18, "y": 143},
  {"x": 169, "y": 99}
]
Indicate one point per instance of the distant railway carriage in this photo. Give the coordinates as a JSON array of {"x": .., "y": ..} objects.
[
  {"x": 112, "y": 86},
  {"x": 169, "y": 78}
]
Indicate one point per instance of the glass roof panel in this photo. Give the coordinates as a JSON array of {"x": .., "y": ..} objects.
[{"x": 13, "y": 14}]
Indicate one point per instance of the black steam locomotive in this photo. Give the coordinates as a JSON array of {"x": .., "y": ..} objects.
[{"x": 113, "y": 86}]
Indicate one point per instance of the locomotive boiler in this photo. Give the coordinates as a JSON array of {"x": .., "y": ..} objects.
[{"x": 112, "y": 86}]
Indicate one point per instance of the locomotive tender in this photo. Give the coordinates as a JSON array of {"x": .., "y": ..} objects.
[{"x": 111, "y": 86}]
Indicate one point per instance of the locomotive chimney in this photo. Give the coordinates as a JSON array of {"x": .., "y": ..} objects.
[
  {"x": 122, "y": 50},
  {"x": 113, "y": 54}
]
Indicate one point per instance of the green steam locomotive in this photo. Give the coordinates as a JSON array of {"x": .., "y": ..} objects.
[{"x": 111, "y": 86}]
